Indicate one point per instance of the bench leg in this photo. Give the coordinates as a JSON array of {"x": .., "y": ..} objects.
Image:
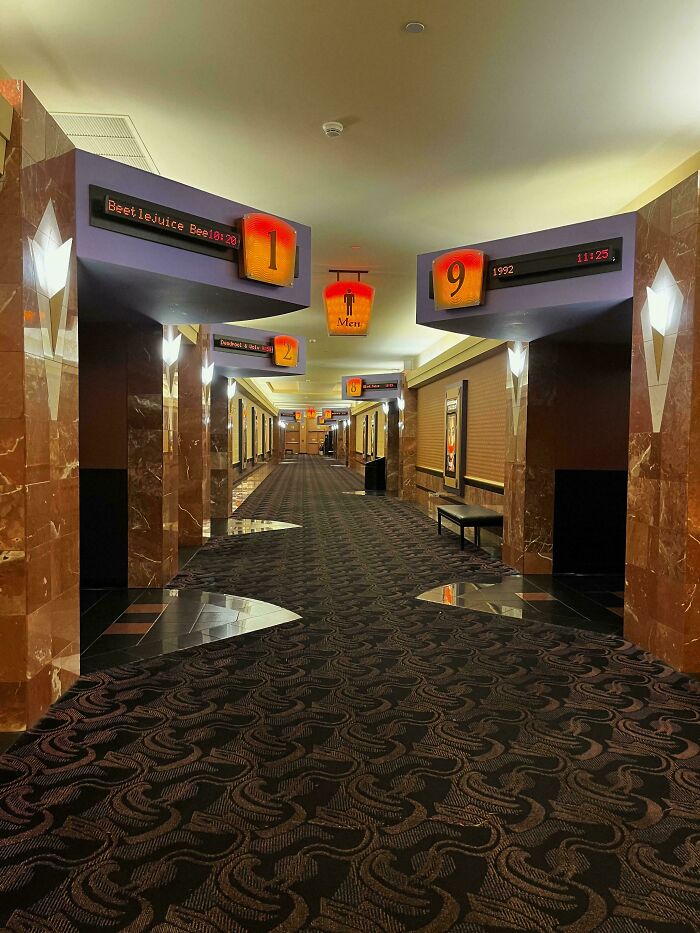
[
  {"x": 439, "y": 523},
  {"x": 477, "y": 536},
  {"x": 461, "y": 537}
]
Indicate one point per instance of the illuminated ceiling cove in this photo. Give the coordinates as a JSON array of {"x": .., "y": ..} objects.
[{"x": 502, "y": 117}]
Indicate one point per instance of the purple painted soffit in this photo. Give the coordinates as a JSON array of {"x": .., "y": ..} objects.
[
  {"x": 121, "y": 275},
  {"x": 525, "y": 312},
  {"x": 244, "y": 365}
]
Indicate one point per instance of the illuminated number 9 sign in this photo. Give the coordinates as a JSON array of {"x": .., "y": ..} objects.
[
  {"x": 458, "y": 279},
  {"x": 268, "y": 249}
]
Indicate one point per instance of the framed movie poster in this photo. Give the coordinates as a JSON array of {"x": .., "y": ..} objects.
[
  {"x": 264, "y": 436},
  {"x": 373, "y": 435},
  {"x": 255, "y": 435},
  {"x": 364, "y": 436},
  {"x": 454, "y": 461}
]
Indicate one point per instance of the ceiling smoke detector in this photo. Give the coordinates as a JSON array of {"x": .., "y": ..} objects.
[
  {"x": 414, "y": 27},
  {"x": 333, "y": 128}
]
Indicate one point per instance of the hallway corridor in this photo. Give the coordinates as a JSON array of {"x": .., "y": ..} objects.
[{"x": 380, "y": 764}]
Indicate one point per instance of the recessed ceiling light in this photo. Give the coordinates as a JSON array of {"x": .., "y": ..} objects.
[{"x": 414, "y": 27}]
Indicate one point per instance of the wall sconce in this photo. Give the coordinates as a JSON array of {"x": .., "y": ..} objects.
[
  {"x": 231, "y": 388},
  {"x": 385, "y": 408},
  {"x": 660, "y": 305},
  {"x": 401, "y": 402},
  {"x": 171, "y": 350},
  {"x": 516, "y": 360},
  {"x": 207, "y": 374}
]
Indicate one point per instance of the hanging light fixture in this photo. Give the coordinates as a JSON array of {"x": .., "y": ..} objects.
[{"x": 348, "y": 304}]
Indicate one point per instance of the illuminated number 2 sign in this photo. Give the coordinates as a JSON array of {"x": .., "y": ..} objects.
[
  {"x": 269, "y": 249},
  {"x": 458, "y": 279},
  {"x": 286, "y": 350}
]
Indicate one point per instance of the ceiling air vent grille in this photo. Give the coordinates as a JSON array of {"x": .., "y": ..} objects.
[{"x": 111, "y": 135}]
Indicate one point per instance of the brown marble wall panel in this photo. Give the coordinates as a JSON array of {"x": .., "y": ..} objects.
[
  {"x": 408, "y": 445},
  {"x": 152, "y": 457},
  {"x": 193, "y": 419},
  {"x": 663, "y": 500},
  {"x": 393, "y": 449},
  {"x": 39, "y": 525},
  {"x": 515, "y": 399},
  {"x": 221, "y": 436}
]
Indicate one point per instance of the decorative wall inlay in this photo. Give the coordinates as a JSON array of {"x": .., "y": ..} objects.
[
  {"x": 52, "y": 258},
  {"x": 660, "y": 319},
  {"x": 516, "y": 379}
]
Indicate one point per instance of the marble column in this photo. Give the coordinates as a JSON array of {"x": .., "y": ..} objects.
[
  {"x": 515, "y": 400},
  {"x": 531, "y": 399},
  {"x": 152, "y": 393},
  {"x": 221, "y": 453},
  {"x": 352, "y": 437},
  {"x": 408, "y": 445},
  {"x": 194, "y": 395},
  {"x": 662, "y": 610},
  {"x": 340, "y": 441},
  {"x": 392, "y": 448},
  {"x": 39, "y": 493}
]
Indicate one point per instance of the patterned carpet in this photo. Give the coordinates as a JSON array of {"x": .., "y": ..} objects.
[{"x": 380, "y": 765}]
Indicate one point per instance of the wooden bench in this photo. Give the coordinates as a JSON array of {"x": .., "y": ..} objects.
[{"x": 468, "y": 516}]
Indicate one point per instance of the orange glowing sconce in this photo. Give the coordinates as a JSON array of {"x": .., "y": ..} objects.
[
  {"x": 310, "y": 412},
  {"x": 458, "y": 279},
  {"x": 268, "y": 249},
  {"x": 297, "y": 416},
  {"x": 348, "y": 308},
  {"x": 327, "y": 414},
  {"x": 286, "y": 350}
]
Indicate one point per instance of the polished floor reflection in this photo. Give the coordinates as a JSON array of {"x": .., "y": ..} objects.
[
  {"x": 586, "y": 602},
  {"x": 247, "y": 526},
  {"x": 118, "y": 626},
  {"x": 250, "y": 484},
  {"x": 363, "y": 492}
]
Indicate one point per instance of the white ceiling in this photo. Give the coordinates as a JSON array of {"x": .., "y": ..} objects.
[{"x": 504, "y": 116}]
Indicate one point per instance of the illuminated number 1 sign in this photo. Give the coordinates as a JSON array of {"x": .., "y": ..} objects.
[
  {"x": 458, "y": 279},
  {"x": 286, "y": 350},
  {"x": 269, "y": 249}
]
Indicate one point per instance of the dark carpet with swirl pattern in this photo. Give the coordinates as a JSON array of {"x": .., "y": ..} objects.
[{"x": 380, "y": 765}]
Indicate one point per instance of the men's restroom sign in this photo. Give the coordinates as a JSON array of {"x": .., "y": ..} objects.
[
  {"x": 348, "y": 308},
  {"x": 458, "y": 279}
]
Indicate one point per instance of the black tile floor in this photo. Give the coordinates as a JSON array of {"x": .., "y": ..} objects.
[
  {"x": 587, "y": 602},
  {"x": 118, "y": 626}
]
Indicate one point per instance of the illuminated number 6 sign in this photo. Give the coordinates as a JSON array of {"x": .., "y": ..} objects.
[
  {"x": 269, "y": 248},
  {"x": 458, "y": 279}
]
